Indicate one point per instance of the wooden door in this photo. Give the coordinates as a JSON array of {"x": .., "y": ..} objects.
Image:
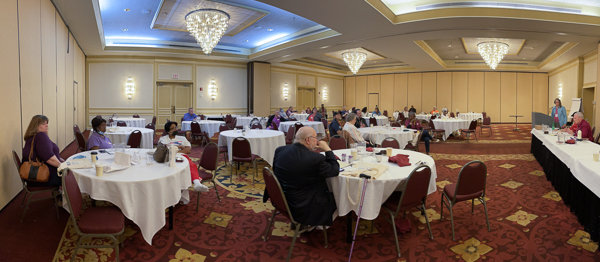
[
  {"x": 372, "y": 102},
  {"x": 309, "y": 98},
  {"x": 174, "y": 100}
]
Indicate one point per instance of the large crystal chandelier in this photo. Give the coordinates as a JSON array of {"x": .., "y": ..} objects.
[
  {"x": 354, "y": 60},
  {"x": 492, "y": 52},
  {"x": 207, "y": 26}
]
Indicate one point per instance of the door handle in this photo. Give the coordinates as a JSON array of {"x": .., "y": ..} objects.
[{"x": 173, "y": 109}]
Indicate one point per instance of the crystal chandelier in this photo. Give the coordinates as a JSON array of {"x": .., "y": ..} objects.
[
  {"x": 354, "y": 60},
  {"x": 492, "y": 52},
  {"x": 207, "y": 26}
]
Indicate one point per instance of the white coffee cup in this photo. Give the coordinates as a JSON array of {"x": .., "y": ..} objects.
[
  {"x": 99, "y": 169},
  {"x": 596, "y": 157}
]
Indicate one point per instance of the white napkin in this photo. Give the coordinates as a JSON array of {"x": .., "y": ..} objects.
[
  {"x": 122, "y": 159},
  {"x": 172, "y": 155}
]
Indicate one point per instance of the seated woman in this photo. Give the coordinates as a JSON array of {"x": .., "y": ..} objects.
[
  {"x": 97, "y": 139},
  {"x": 171, "y": 138},
  {"x": 434, "y": 111},
  {"x": 315, "y": 115},
  {"x": 43, "y": 149},
  {"x": 290, "y": 111},
  {"x": 275, "y": 120},
  {"x": 414, "y": 123},
  {"x": 283, "y": 114},
  {"x": 376, "y": 112},
  {"x": 308, "y": 111}
]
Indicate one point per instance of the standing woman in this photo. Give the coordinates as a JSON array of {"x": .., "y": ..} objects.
[
  {"x": 43, "y": 149},
  {"x": 559, "y": 113}
]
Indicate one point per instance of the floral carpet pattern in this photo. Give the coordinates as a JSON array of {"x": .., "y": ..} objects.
[{"x": 528, "y": 220}]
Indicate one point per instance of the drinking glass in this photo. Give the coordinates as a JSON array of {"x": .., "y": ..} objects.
[
  {"x": 149, "y": 160},
  {"x": 361, "y": 148},
  {"x": 353, "y": 150}
]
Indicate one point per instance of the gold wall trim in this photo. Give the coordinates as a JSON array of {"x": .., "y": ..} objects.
[
  {"x": 564, "y": 66},
  {"x": 591, "y": 55},
  {"x": 560, "y": 51},
  {"x": 304, "y": 72},
  {"x": 188, "y": 51},
  {"x": 322, "y": 68},
  {"x": 423, "y": 45},
  {"x": 590, "y": 84}
]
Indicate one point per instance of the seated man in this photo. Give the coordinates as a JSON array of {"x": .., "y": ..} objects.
[
  {"x": 434, "y": 111},
  {"x": 405, "y": 112},
  {"x": 580, "y": 124},
  {"x": 190, "y": 116},
  {"x": 283, "y": 114},
  {"x": 302, "y": 174},
  {"x": 412, "y": 109},
  {"x": 334, "y": 127},
  {"x": 360, "y": 121},
  {"x": 344, "y": 112},
  {"x": 350, "y": 127}
]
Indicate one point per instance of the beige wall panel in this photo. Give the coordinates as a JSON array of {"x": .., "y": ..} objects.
[
  {"x": 476, "y": 88},
  {"x": 460, "y": 91},
  {"x": 361, "y": 92},
  {"x": 232, "y": 84},
  {"x": 262, "y": 89},
  {"x": 30, "y": 51},
  {"x": 61, "y": 55},
  {"x": 335, "y": 90},
  {"x": 386, "y": 97},
  {"x": 400, "y": 91},
  {"x": 568, "y": 79},
  {"x": 350, "y": 91},
  {"x": 69, "y": 96},
  {"x": 184, "y": 72},
  {"x": 414, "y": 90},
  {"x": 307, "y": 80},
  {"x": 429, "y": 92},
  {"x": 540, "y": 93},
  {"x": 278, "y": 81},
  {"x": 492, "y": 95},
  {"x": 524, "y": 96},
  {"x": 373, "y": 85},
  {"x": 589, "y": 71},
  {"x": 508, "y": 96},
  {"x": 444, "y": 90},
  {"x": 80, "y": 68},
  {"x": 49, "y": 65},
  {"x": 107, "y": 85},
  {"x": 10, "y": 138}
]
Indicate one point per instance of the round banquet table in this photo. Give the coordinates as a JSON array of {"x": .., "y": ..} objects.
[
  {"x": 378, "y": 190},
  {"x": 262, "y": 142},
  {"x": 423, "y": 117},
  {"x": 300, "y": 117},
  {"x": 131, "y": 122},
  {"x": 470, "y": 116},
  {"x": 381, "y": 120},
  {"x": 121, "y": 135},
  {"x": 216, "y": 117},
  {"x": 142, "y": 192},
  {"x": 379, "y": 133},
  {"x": 451, "y": 125},
  {"x": 208, "y": 126},
  {"x": 245, "y": 120},
  {"x": 316, "y": 125}
]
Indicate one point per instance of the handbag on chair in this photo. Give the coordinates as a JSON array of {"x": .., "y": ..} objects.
[{"x": 34, "y": 171}]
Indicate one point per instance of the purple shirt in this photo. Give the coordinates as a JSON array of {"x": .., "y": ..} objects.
[
  {"x": 44, "y": 149},
  {"x": 417, "y": 125},
  {"x": 99, "y": 141}
]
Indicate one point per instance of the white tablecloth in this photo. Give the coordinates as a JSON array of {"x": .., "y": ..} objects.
[
  {"x": 378, "y": 134},
  {"x": 142, "y": 192},
  {"x": 122, "y": 136},
  {"x": 470, "y": 116},
  {"x": 300, "y": 117},
  {"x": 262, "y": 142},
  {"x": 245, "y": 120},
  {"x": 131, "y": 122},
  {"x": 381, "y": 120},
  {"x": 316, "y": 125},
  {"x": 215, "y": 117},
  {"x": 208, "y": 126},
  {"x": 577, "y": 157},
  {"x": 423, "y": 117},
  {"x": 451, "y": 125},
  {"x": 378, "y": 190}
]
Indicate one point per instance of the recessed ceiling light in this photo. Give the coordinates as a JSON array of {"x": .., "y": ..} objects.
[
  {"x": 456, "y": 56},
  {"x": 523, "y": 57},
  {"x": 125, "y": 29},
  {"x": 450, "y": 45},
  {"x": 561, "y": 33},
  {"x": 146, "y": 11},
  {"x": 127, "y": 10},
  {"x": 269, "y": 29}
]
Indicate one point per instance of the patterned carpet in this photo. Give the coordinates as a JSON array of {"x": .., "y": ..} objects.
[{"x": 529, "y": 222}]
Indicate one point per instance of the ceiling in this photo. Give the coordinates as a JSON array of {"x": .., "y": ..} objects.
[{"x": 314, "y": 33}]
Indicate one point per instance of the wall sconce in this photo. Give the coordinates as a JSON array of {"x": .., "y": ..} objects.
[
  {"x": 325, "y": 93},
  {"x": 286, "y": 92},
  {"x": 212, "y": 89},
  {"x": 129, "y": 88},
  {"x": 560, "y": 91}
]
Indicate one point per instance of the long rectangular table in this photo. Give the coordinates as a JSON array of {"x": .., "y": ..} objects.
[{"x": 574, "y": 175}]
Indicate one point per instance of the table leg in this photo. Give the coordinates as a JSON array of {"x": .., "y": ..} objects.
[
  {"x": 516, "y": 124},
  {"x": 349, "y": 228},
  {"x": 171, "y": 218}
]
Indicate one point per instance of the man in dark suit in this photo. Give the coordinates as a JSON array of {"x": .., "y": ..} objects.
[
  {"x": 302, "y": 174},
  {"x": 360, "y": 121}
]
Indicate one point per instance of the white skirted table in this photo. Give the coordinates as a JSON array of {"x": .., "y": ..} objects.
[
  {"x": 450, "y": 125},
  {"x": 121, "y": 135},
  {"x": 381, "y": 120},
  {"x": 423, "y": 117},
  {"x": 262, "y": 142},
  {"x": 470, "y": 116},
  {"x": 246, "y": 120},
  {"x": 142, "y": 192},
  {"x": 131, "y": 122},
  {"x": 378, "y": 134},
  {"x": 300, "y": 117},
  {"x": 208, "y": 126},
  {"x": 316, "y": 125}
]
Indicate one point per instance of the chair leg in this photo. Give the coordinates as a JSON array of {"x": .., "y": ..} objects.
[
  {"x": 76, "y": 248},
  {"x": 253, "y": 175},
  {"x": 451, "y": 219},
  {"x": 116, "y": 246},
  {"x": 298, "y": 226},
  {"x": 442, "y": 207},
  {"x": 198, "y": 202},
  {"x": 56, "y": 202},
  {"x": 25, "y": 196},
  {"x": 325, "y": 235},
  {"x": 482, "y": 200},
  {"x": 217, "y": 191},
  {"x": 269, "y": 226},
  {"x": 426, "y": 219},
  {"x": 231, "y": 173},
  {"x": 395, "y": 233},
  {"x": 26, "y": 207},
  {"x": 472, "y": 205}
]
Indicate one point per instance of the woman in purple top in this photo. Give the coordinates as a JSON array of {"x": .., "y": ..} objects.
[
  {"x": 43, "y": 149},
  {"x": 97, "y": 139}
]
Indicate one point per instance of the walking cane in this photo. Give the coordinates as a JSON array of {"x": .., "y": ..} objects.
[{"x": 362, "y": 199}]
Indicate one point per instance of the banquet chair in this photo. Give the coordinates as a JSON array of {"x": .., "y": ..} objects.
[
  {"x": 436, "y": 131},
  {"x": 593, "y": 131},
  {"x": 348, "y": 138},
  {"x": 256, "y": 126},
  {"x": 151, "y": 126},
  {"x": 99, "y": 116},
  {"x": 80, "y": 141},
  {"x": 409, "y": 146},
  {"x": 395, "y": 124},
  {"x": 154, "y": 120},
  {"x": 324, "y": 121},
  {"x": 372, "y": 121},
  {"x": 297, "y": 127},
  {"x": 31, "y": 190},
  {"x": 452, "y": 114},
  {"x": 597, "y": 140},
  {"x": 241, "y": 152},
  {"x": 390, "y": 142},
  {"x": 289, "y": 136},
  {"x": 136, "y": 116},
  {"x": 76, "y": 129},
  {"x": 487, "y": 123},
  {"x": 181, "y": 120},
  {"x": 94, "y": 222},
  {"x": 413, "y": 194},
  {"x": 279, "y": 201},
  {"x": 402, "y": 118},
  {"x": 215, "y": 139},
  {"x": 228, "y": 119},
  {"x": 293, "y": 119},
  {"x": 135, "y": 139},
  {"x": 472, "y": 130},
  {"x": 121, "y": 123},
  {"x": 208, "y": 162},
  {"x": 385, "y": 113},
  {"x": 433, "y": 117},
  {"x": 198, "y": 134},
  {"x": 337, "y": 142},
  {"x": 471, "y": 185},
  {"x": 484, "y": 114},
  {"x": 110, "y": 120}
]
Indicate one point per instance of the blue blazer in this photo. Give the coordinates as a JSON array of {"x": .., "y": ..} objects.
[{"x": 562, "y": 115}]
